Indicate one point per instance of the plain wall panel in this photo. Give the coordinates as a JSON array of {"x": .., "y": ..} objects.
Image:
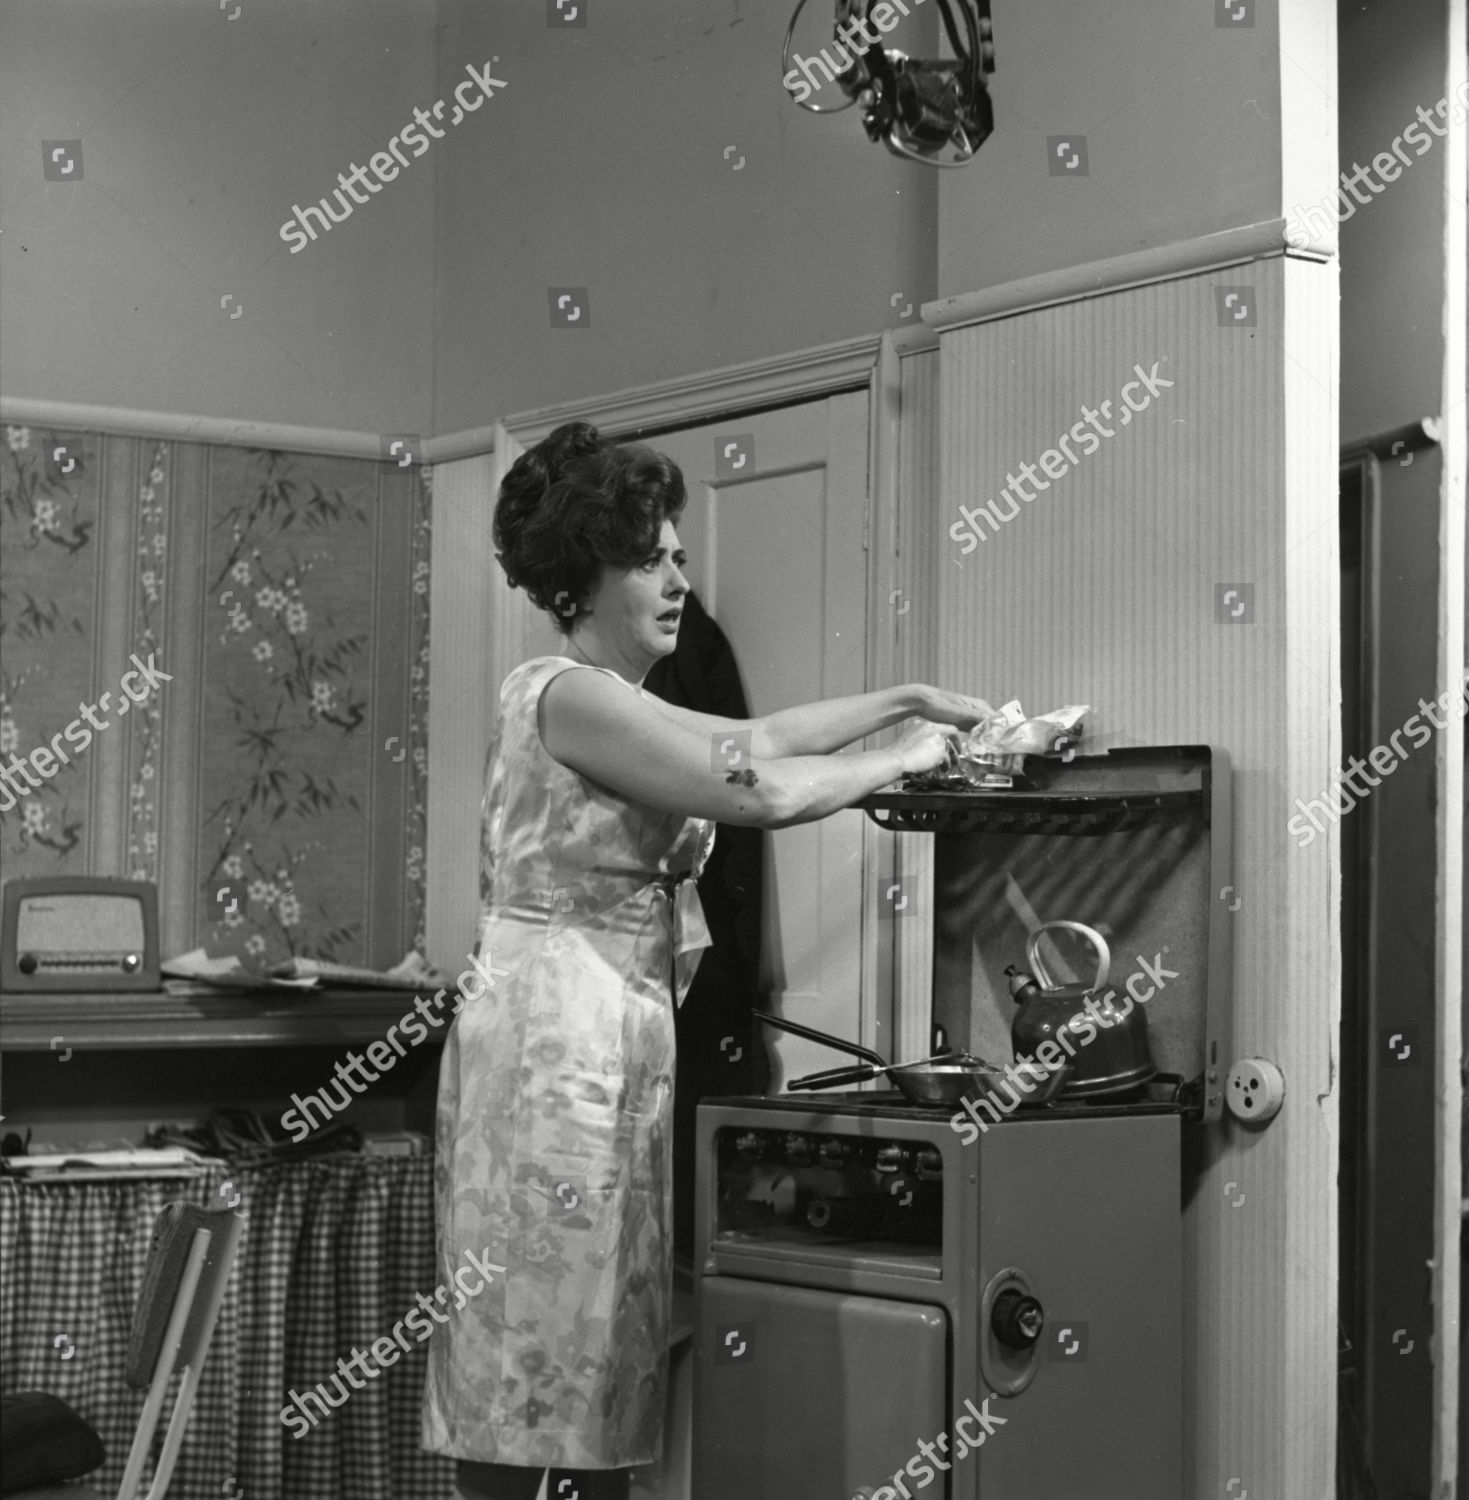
[
  {"x": 653, "y": 158},
  {"x": 200, "y": 133},
  {"x": 1392, "y": 247},
  {"x": 1180, "y": 116}
]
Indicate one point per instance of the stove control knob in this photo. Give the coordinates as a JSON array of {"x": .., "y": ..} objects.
[
  {"x": 799, "y": 1150},
  {"x": 1017, "y": 1320},
  {"x": 930, "y": 1162}
]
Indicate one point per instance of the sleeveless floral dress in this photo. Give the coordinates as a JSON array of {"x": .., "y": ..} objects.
[{"x": 554, "y": 1156}]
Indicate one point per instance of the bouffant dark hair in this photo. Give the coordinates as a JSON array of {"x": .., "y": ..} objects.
[{"x": 575, "y": 503}]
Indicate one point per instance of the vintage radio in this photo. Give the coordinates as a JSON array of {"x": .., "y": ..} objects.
[{"x": 70, "y": 933}]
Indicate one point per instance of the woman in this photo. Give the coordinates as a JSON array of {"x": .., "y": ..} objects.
[{"x": 555, "y": 1090}]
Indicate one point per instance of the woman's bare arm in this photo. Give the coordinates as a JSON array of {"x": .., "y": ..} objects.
[
  {"x": 832, "y": 723},
  {"x": 632, "y": 746}
]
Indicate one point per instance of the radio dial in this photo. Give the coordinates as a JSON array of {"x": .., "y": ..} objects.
[
  {"x": 131, "y": 963},
  {"x": 26, "y": 963}
]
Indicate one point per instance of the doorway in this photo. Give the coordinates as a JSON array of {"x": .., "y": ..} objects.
[{"x": 1389, "y": 514}]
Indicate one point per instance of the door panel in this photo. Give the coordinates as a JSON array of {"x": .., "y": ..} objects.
[
  {"x": 1088, "y": 1210},
  {"x": 777, "y": 554},
  {"x": 800, "y": 1394}
]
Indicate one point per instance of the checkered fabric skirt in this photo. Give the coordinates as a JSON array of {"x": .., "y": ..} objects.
[{"x": 335, "y": 1252}]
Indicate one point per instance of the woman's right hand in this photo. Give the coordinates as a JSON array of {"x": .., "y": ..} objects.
[
  {"x": 952, "y": 708},
  {"x": 924, "y": 745}
]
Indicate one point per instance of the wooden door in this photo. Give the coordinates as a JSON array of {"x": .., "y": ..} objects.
[{"x": 774, "y": 530}]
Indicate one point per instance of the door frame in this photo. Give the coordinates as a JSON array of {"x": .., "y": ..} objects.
[{"x": 1381, "y": 1440}]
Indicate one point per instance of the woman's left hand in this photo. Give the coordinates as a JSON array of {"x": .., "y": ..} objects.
[{"x": 944, "y": 707}]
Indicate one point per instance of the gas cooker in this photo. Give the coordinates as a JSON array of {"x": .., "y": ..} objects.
[
  {"x": 861, "y": 1268},
  {"x": 870, "y": 1270}
]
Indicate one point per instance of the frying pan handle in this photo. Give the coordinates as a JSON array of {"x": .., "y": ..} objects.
[
  {"x": 840, "y": 1075},
  {"x": 795, "y": 1029},
  {"x": 1095, "y": 938},
  {"x": 833, "y": 1078}
]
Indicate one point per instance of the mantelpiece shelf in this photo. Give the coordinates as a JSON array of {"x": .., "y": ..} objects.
[{"x": 157, "y": 1020}]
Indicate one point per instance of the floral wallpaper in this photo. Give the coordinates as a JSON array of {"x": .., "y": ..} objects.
[
  {"x": 152, "y": 554},
  {"x": 48, "y": 566},
  {"x": 284, "y": 757}
]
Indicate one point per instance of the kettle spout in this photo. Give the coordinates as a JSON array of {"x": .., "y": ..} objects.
[{"x": 1022, "y": 985}]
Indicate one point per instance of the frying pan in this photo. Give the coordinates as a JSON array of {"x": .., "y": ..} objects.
[{"x": 945, "y": 1079}]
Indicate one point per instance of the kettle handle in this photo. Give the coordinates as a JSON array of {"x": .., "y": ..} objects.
[{"x": 1095, "y": 938}]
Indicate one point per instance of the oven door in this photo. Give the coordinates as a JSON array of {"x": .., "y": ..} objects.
[{"x": 801, "y": 1394}]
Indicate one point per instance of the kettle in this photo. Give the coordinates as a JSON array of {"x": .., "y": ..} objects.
[{"x": 1107, "y": 1046}]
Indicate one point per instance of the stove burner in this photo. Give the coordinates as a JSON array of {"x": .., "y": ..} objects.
[{"x": 1165, "y": 1093}]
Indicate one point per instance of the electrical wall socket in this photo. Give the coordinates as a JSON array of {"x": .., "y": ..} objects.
[{"x": 1255, "y": 1090}]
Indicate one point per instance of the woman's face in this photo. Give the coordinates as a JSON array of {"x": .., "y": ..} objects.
[{"x": 635, "y": 611}]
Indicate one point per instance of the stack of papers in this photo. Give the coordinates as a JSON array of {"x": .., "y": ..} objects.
[
  {"x": 194, "y": 972},
  {"x": 108, "y": 1166},
  {"x": 412, "y": 974}
]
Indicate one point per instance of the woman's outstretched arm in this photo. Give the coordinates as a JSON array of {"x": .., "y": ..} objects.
[
  {"x": 819, "y": 728},
  {"x": 630, "y": 745}
]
